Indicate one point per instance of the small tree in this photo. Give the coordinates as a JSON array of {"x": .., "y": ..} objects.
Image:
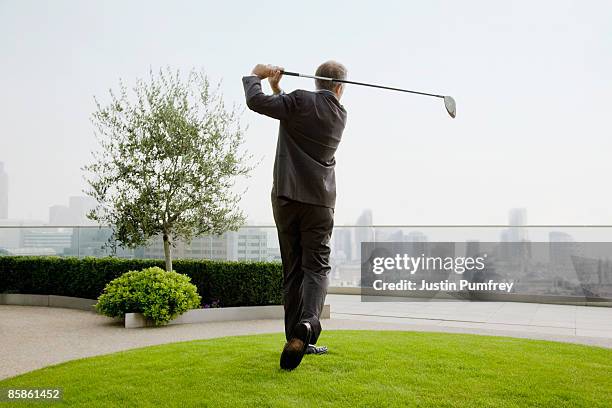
[{"x": 169, "y": 157}]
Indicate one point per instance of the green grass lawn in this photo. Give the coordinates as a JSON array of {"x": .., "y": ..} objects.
[{"x": 363, "y": 369}]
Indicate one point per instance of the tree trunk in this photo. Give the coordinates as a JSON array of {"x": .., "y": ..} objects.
[{"x": 167, "y": 253}]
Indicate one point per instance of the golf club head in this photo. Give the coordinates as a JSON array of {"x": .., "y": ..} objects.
[{"x": 450, "y": 105}]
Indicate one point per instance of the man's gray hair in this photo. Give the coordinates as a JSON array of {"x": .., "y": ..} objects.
[{"x": 330, "y": 69}]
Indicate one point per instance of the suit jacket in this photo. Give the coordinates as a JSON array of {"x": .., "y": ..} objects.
[{"x": 310, "y": 129}]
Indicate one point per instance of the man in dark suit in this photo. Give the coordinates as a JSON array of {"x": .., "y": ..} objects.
[{"x": 303, "y": 194}]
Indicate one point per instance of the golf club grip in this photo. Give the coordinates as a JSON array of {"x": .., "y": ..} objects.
[
  {"x": 297, "y": 74},
  {"x": 291, "y": 73}
]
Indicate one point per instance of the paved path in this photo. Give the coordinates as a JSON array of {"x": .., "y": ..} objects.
[
  {"x": 35, "y": 337},
  {"x": 578, "y": 322}
]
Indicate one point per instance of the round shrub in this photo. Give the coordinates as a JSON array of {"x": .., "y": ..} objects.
[{"x": 158, "y": 295}]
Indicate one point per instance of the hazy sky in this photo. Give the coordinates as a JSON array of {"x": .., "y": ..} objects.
[{"x": 532, "y": 81}]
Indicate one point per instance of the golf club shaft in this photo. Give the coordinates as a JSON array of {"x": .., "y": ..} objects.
[{"x": 344, "y": 81}]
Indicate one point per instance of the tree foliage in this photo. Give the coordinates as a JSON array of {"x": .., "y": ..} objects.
[{"x": 170, "y": 153}]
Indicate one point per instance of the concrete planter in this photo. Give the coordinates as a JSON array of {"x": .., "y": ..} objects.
[
  {"x": 47, "y": 300},
  {"x": 223, "y": 314}
]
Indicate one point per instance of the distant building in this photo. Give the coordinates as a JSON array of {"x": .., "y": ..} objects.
[
  {"x": 561, "y": 250},
  {"x": 94, "y": 242},
  {"x": 394, "y": 235},
  {"x": 561, "y": 247},
  {"x": 415, "y": 236},
  {"x": 40, "y": 241},
  {"x": 366, "y": 218},
  {"x": 417, "y": 243},
  {"x": 342, "y": 243},
  {"x": 60, "y": 215},
  {"x": 251, "y": 244},
  {"x": 517, "y": 246},
  {"x": 274, "y": 254},
  {"x": 11, "y": 238},
  {"x": 364, "y": 232},
  {"x": 73, "y": 214},
  {"x": 517, "y": 219},
  {"x": 348, "y": 274},
  {"x": 80, "y": 206},
  {"x": 248, "y": 244},
  {"x": 3, "y": 193},
  {"x": 595, "y": 276},
  {"x": 517, "y": 216}
]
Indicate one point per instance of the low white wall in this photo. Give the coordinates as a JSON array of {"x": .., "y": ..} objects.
[
  {"x": 222, "y": 314},
  {"x": 47, "y": 300}
]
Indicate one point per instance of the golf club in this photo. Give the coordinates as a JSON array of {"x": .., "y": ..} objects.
[{"x": 449, "y": 102}]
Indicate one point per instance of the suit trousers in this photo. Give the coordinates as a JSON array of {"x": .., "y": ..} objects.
[{"x": 304, "y": 234}]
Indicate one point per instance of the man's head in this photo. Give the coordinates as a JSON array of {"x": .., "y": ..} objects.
[{"x": 331, "y": 69}]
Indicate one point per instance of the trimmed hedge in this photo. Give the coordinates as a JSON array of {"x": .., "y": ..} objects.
[{"x": 231, "y": 283}]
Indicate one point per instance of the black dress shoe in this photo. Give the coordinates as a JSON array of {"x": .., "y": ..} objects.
[
  {"x": 312, "y": 349},
  {"x": 295, "y": 348}
]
